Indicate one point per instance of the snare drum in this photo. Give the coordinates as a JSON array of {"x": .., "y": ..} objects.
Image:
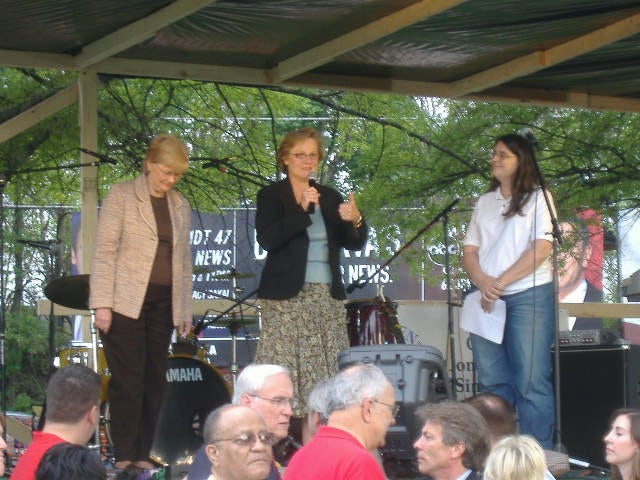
[
  {"x": 194, "y": 388},
  {"x": 372, "y": 321},
  {"x": 80, "y": 353}
]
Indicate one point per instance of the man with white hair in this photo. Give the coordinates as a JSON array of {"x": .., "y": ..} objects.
[
  {"x": 360, "y": 407},
  {"x": 267, "y": 389}
]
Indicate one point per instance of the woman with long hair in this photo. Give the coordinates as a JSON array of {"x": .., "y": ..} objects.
[
  {"x": 506, "y": 255},
  {"x": 622, "y": 443}
]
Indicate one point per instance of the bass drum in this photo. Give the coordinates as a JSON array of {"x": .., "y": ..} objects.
[
  {"x": 194, "y": 388},
  {"x": 373, "y": 321}
]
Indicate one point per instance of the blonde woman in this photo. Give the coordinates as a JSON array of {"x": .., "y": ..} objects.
[
  {"x": 516, "y": 457},
  {"x": 140, "y": 288}
]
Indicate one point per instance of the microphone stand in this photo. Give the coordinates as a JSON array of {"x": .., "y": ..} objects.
[
  {"x": 557, "y": 240},
  {"x": 233, "y": 328},
  {"x": 360, "y": 282},
  {"x": 3, "y": 373}
]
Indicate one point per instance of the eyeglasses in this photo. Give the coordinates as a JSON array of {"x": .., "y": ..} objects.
[
  {"x": 167, "y": 172},
  {"x": 302, "y": 155},
  {"x": 247, "y": 439},
  {"x": 278, "y": 402},
  {"x": 395, "y": 409},
  {"x": 502, "y": 155}
]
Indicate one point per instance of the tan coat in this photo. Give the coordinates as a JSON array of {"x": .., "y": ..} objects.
[{"x": 125, "y": 248}]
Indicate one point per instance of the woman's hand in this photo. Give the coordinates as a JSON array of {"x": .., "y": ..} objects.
[
  {"x": 102, "y": 319},
  {"x": 349, "y": 211},
  {"x": 309, "y": 195},
  {"x": 183, "y": 329},
  {"x": 490, "y": 288}
]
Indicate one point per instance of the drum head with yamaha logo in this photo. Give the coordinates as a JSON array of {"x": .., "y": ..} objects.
[{"x": 194, "y": 388}]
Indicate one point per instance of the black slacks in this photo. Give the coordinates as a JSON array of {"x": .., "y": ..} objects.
[{"x": 137, "y": 352}]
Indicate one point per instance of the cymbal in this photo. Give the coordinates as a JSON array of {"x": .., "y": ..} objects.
[
  {"x": 71, "y": 291},
  {"x": 233, "y": 274}
]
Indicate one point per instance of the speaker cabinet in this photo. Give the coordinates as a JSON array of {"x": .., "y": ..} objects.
[
  {"x": 594, "y": 381},
  {"x": 418, "y": 375}
]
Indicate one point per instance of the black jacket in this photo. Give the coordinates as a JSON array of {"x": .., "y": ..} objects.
[{"x": 281, "y": 227}]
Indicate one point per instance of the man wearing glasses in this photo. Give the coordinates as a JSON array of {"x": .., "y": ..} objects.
[
  {"x": 268, "y": 391},
  {"x": 238, "y": 444},
  {"x": 361, "y": 407}
]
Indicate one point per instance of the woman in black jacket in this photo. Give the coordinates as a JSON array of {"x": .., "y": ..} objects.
[{"x": 303, "y": 226}]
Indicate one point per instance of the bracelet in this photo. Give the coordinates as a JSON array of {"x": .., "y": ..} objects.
[
  {"x": 358, "y": 222},
  {"x": 499, "y": 285}
]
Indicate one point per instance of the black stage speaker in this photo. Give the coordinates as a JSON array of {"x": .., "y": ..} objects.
[
  {"x": 594, "y": 381},
  {"x": 418, "y": 375}
]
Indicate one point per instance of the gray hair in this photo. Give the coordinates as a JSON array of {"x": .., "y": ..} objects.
[
  {"x": 252, "y": 379},
  {"x": 461, "y": 423},
  {"x": 353, "y": 385},
  {"x": 318, "y": 399}
]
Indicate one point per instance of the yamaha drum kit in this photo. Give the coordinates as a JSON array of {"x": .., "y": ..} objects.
[{"x": 194, "y": 385}]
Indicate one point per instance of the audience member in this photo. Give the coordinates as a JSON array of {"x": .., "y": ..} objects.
[
  {"x": 516, "y": 457},
  {"x": 501, "y": 420},
  {"x": 361, "y": 407},
  {"x": 72, "y": 415},
  {"x": 3, "y": 445},
  {"x": 317, "y": 405},
  {"x": 238, "y": 444},
  {"x": 496, "y": 411},
  {"x": 454, "y": 441},
  {"x": 268, "y": 390},
  {"x": 622, "y": 444},
  {"x": 66, "y": 461}
]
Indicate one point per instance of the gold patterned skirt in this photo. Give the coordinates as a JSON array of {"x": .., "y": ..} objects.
[{"x": 304, "y": 333}]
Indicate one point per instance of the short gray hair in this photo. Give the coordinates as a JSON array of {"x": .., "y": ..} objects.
[
  {"x": 318, "y": 399},
  {"x": 353, "y": 385},
  {"x": 252, "y": 378},
  {"x": 461, "y": 423}
]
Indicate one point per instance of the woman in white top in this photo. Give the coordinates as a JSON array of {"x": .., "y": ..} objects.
[{"x": 506, "y": 255}]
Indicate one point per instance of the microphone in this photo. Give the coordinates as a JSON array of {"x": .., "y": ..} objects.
[
  {"x": 46, "y": 244},
  {"x": 101, "y": 157},
  {"x": 528, "y": 135},
  {"x": 311, "y": 178},
  {"x": 583, "y": 464}
]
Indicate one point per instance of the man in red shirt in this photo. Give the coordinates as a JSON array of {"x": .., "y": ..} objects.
[
  {"x": 361, "y": 407},
  {"x": 72, "y": 415}
]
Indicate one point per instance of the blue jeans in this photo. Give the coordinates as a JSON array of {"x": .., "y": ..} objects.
[{"x": 519, "y": 369}]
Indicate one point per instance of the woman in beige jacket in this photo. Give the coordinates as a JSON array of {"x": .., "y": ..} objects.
[{"x": 140, "y": 288}]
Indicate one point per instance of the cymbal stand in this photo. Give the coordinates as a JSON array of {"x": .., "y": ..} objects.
[
  {"x": 233, "y": 329},
  {"x": 94, "y": 363}
]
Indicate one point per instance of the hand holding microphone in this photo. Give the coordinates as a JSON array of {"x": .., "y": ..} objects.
[{"x": 311, "y": 196}]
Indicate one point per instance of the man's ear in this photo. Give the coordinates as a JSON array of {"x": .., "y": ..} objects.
[
  {"x": 213, "y": 454},
  {"x": 457, "y": 450},
  {"x": 93, "y": 415},
  {"x": 366, "y": 410},
  {"x": 245, "y": 400}
]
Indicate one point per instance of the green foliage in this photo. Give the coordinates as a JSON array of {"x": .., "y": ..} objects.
[
  {"x": 27, "y": 358},
  {"x": 406, "y": 158}
]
